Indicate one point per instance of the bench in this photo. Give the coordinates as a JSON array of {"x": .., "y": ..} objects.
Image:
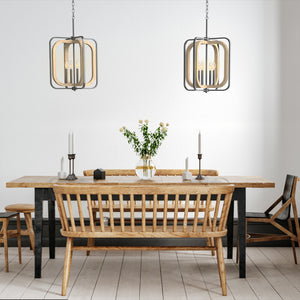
[{"x": 209, "y": 220}]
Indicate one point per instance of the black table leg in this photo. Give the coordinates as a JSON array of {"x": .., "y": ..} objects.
[
  {"x": 230, "y": 228},
  {"x": 38, "y": 230},
  {"x": 51, "y": 218},
  {"x": 242, "y": 231}
]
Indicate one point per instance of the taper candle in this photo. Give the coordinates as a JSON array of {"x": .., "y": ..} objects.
[
  {"x": 62, "y": 164},
  {"x": 199, "y": 142},
  {"x": 69, "y": 143},
  {"x": 72, "y": 145},
  {"x": 187, "y": 164}
]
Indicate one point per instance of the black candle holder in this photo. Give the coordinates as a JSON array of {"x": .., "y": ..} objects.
[
  {"x": 199, "y": 177},
  {"x": 71, "y": 175}
]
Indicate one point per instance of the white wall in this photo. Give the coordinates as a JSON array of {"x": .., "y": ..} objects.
[{"x": 251, "y": 129}]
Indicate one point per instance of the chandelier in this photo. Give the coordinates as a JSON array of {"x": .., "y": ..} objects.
[
  {"x": 207, "y": 62},
  {"x": 73, "y": 61}
]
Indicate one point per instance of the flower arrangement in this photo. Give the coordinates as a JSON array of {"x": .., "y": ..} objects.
[{"x": 150, "y": 142}]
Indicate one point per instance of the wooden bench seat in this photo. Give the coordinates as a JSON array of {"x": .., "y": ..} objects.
[{"x": 212, "y": 226}]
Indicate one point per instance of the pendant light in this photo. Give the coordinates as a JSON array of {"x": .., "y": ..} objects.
[
  {"x": 73, "y": 61},
  {"x": 207, "y": 62}
]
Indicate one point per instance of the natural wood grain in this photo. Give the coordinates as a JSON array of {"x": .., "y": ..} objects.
[
  {"x": 5, "y": 234},
  {"x": 49, "y": 181},
  {"x": 67, "y": 266},
  {"x": 159, "y": 172},
  {"x": 285, "y": 233},
  {"x": 126, "y": 230},
  {"x": 26, "y": 209}
]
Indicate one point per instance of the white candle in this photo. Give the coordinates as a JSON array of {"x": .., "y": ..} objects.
[
  {"x": 187, "y": 164},
  {"x": 62, "y": 164},
  {"x": 199, "y": 142},
  {"x": 69, "y": 143},
  {"x": 72, "y": 144}
]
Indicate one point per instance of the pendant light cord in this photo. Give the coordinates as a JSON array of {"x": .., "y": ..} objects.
[{"x": 73, "y": 18}]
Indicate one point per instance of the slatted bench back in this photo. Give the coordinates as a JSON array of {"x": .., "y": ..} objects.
[{"x": 73, "y": 200}]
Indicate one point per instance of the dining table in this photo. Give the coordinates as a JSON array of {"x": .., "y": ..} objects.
[{"x": 43, "y": 191}]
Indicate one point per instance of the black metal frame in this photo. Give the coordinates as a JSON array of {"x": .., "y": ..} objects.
[
  {"x": 194, "y": 56},
  {"x": 74, "y": 88},
  {"x": 73, "y": 37}
]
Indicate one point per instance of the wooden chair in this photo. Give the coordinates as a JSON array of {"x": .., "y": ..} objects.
[
  {"x": 27, "y": 210},
  {"x": 5, "y": 234},
  {"x": 159, "y": 172},
  {"x": 138, "y": 204},
  {"x": 282, "y": 214}
]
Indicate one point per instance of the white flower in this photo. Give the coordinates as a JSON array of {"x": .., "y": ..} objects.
[
  {"x": 122, "y": 129},
  {"x": 164, "y": 129},
  {"x": 141, "y": 121},
  {"x": 146, "y": 121},
  {"x": 161, "y": 124}
]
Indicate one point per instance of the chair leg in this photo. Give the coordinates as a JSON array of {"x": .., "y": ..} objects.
[
  {"x": 91, "y": 242},
  {"x": 19, "y": 238},
  {"x": 221, "y": 265},
  {"x": 5, "y": 222},
  {"x": 67, "y": 266},
  {"x": 28, "y": 221},
  {"x": 30, "y": 231},
  {"x": 293, "y": 242}
]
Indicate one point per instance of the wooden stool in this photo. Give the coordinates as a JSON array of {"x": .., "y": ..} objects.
[
  {"x": 5, "y": 234},
  {"x": 26, "y": 209}
]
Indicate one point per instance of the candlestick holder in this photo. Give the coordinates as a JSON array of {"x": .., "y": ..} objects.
[
  {"x": 71, "y": 175},
  {"x": 199, "y": 177}
]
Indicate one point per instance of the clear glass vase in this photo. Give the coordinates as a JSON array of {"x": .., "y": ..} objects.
[{"x": 145, "y": 168}]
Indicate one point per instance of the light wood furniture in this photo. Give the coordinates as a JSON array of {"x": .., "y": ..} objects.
[
  {"x": 43, "y": 191},
  {"x": 5, "y": 234},
  {"x": 88, "y": 229},
  {"x": 27, "y": 210},
  {"x": 159, "y": 172},
  {"x": 283, "y": 204}
]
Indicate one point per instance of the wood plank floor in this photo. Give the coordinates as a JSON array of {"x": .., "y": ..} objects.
[{"x": 167, "y": 275}]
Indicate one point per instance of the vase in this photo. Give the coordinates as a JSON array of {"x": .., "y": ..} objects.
[{"x": 145, "y": 168}]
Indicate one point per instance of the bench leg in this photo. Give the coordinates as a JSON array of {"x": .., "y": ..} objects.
[
  {"x": 67, "y": 266},
  {"x": 221, "y": 265}
]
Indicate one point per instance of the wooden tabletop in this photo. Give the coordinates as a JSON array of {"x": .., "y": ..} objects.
[{"x": 49, "y": 181}]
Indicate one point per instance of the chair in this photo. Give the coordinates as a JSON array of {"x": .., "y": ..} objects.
[
  {"x": 138, "y": 194},
  {"x": 159, "y": 172},
  {"x": 27, "y": 210},
  {"x": 282, "y": 214},
  {"x": 5, "y": 217}
]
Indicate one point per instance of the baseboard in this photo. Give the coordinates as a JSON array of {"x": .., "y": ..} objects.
[{"x": 61, "y": 241}]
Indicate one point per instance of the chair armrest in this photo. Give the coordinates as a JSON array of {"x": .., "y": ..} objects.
[
  {"x": 283, "y": 207},
  {"x": 273, "y": 205}
]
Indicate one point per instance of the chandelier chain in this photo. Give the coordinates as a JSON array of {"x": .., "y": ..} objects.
[
  {"x": 73, "y": 17},
  {"x": 206, "y": 9}
]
